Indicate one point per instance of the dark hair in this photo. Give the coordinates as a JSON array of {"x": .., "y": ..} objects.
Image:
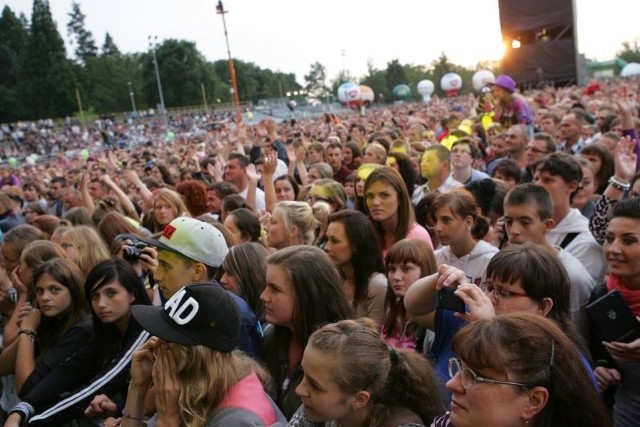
[
  {"x": 531, "y": 194},
  {"x": 489, "y": 195},
  {"x": 112, "y": 225},
  {"x": 247, "y": 263},
  {"x": 406, "y": 169},
  {"x": 248, "y": 223},
  {"x": 541, "y": 275},
  {"x": 394, "y": 378},
  {"x": 292, "y": 181},
  {"x": 606, "y": 164},
  {"x": 462, "y": 204},
  {"x": 509, "y": 168},
  {"x": 107, "y": 338},
  {"x": 442, "y": 152},
  {"x": 166, "y": 175},
  {"x": 549, "y": 141},
  {"x": 366, "y": 258},
  {"x": 629, "y": 208},
  {"x": 68, "y": 274},
  {"x": 534, "y": 350},
  {"x": 232, "y": 202},
  {"x": 241, "y": 158},
  {"x": 563, "y": 165},
  {"x": 319, "y": 299},
  {"x": 418, "y": 252},
  {"x": 223, "y": 188},
  {"x": 406, "y": 217}
]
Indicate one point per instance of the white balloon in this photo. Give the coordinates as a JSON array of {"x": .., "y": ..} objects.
[
  {"x": 426, "y": 88},
  {"x": 348, "y": 92},
  {"x": 451, "y": 81},
  {"x": 482, "y": 78},
  {"x": 631, "y": 69}
]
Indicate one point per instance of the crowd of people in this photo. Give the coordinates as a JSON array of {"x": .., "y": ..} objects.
[{"x": 408, "y": 265}]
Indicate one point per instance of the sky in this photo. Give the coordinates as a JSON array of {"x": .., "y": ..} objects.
[{"x": 290, "y": 35}]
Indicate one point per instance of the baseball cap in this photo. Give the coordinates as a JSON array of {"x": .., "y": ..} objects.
[
  {"x": 195, "y": 239},
  {"x": 505, "y": 82},
  {"x": 198, "y": 314}
]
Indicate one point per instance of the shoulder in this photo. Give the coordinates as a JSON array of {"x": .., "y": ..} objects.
[{"x": 400, "y": 417}]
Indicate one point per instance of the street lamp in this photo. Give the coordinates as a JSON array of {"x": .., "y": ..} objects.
[
  {"x": 133, "y": 100},
  {"x": 232, "y": 71},
  {"x": 153, "y": 43}
]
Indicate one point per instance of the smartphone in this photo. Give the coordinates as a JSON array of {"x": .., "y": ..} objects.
[
  {"x": 614, "y": 319},
  {"x": 450, "y": 301}
]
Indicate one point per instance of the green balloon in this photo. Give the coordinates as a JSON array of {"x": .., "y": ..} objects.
[
  {"x": 84, "y": 154},
  {"x": 171, "y": 136},
  {"x": 402, "y": 92},
  {"x": 13, "y": 162}
]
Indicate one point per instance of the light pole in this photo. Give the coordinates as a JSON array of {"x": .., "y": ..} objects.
[
  {"x": 153, "y": 42},
  {"x": 232, "y": 71},
  {"x": 133, "y": 100}
]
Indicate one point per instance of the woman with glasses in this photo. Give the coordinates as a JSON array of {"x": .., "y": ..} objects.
[
  {"x": 519, "y": 369},
  {"x": 524, "y": 278}
]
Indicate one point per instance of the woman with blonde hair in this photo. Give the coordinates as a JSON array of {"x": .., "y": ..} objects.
[
  {"x": 375, "y": 153},
  {"x": 167, "y": 206},
  {"x": 197, "y": 378},
  {"x": 292, "y": 223},
  {"x": 84, "y": 246}
]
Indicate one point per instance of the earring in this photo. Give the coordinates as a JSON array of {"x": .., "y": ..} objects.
[{"x": 527, "y": 422}]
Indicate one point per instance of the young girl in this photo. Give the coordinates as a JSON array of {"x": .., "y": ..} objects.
[
  {"x": 352, "y": 378},
  {"x": 111, "y": 288},
  {"x": 455, "y": 216},
  {"x": 303, "y": 292},
  {"x": 407, "y": 261},
  {"x": 388, "y": 204},
  {"x": 49, "y": 333},
  {"x": 352, "y": 244}
]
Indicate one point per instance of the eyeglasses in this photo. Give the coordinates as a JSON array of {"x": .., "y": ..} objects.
[
  {"x": 461, "y": 152},
  {"x": 469, "y": 378},
  {"x": 500, "y": 293},
  {"x": 536, "y": 150}
]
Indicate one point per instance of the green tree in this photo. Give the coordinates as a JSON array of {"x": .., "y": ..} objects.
[
  {"x": 109, "y": 46},
  {"x": 316, "y": 81},
  {"x": 630, "y": 51},
  {"x": 83, "y": 39},
  {"x": 182, "y": 69},
  {"x": 13, "y": 38},
  {"x": 46, "y": 80},
  {"x": 395, "y": 74}
]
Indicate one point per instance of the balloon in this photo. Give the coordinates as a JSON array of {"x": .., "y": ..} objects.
[
  {"x": 451, "y": 82},
  {"x": 84, "y": 154},
  {"x": 12, "y": 162},
  {"x": 348, "y": 92},
  {"x": 30, "y": 161},
  {"x": 171, "y": 135},
  {"x": 482, "y": 78},
  {"x": 366, "y": 94},
  {"x": 426, "y": 88},
  {"x": 631, "y": 69},
  {"x": 402, "y": 92}
]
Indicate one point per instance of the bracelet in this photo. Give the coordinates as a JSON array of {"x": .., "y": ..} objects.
[
  {"x": 28, "y": 332},
  {"x": 140, "y": 420},
  {"x": 622, "y": 186}
]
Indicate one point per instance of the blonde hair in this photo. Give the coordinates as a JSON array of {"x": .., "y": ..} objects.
[
  {"x": 90, "y": 246},
  {"x": 300, "y": 215},
  {"x": 202, "y": 394},
  {"x": 174, "y": 200},
  {"x": 379, "y": 151}
]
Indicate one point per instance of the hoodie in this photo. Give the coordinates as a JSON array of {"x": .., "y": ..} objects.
[
  {"x": 584, "y": 246},
  {"x": 474, "y": 264}
]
